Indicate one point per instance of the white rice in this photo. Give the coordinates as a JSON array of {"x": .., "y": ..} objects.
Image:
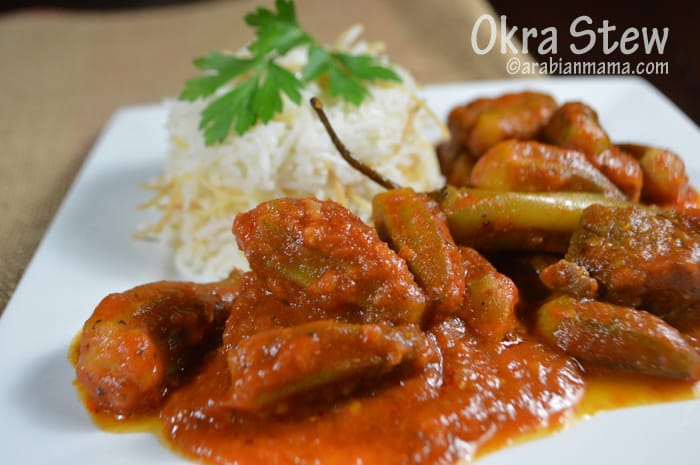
[{"x": 203, "y": 188}]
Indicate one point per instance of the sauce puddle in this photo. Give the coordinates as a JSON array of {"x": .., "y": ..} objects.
[
  {"x": 608, "y": 390},
  {"x": 470, "y": 415}
]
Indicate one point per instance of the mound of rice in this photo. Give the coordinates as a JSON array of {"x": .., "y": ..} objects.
[{"x": 203, "y": 188}]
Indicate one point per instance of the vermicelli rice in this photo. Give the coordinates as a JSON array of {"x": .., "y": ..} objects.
[{"x": 204, "y": 187}]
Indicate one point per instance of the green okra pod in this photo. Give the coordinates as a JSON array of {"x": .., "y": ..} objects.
[
  {"x": 321, "y": 253},
  {"x": 417, "y": 230},
  {"x": 492, "y": 220},
  {"x": 617, "y": 336},
  {"x": 277, "y": 364}
]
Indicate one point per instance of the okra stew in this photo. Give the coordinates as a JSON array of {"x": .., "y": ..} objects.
[{"x": 552, "y": 263}]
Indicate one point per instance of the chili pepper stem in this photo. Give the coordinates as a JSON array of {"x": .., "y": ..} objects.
[{"x": 345, "y": 153}]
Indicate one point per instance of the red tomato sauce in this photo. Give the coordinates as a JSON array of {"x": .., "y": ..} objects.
[
  {"x": 489, "y": 396},
  {"x": 486, "y": 395}
]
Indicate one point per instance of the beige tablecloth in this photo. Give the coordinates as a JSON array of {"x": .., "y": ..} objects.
[{"x": 64, "y": 73}]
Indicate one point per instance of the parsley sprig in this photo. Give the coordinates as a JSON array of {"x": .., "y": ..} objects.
[{"x": 262, "y": 82}]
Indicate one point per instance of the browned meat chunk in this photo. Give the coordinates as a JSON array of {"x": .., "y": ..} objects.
[
  {"x": 642, "y": 258},
  {"x": 570, "y": 278}
]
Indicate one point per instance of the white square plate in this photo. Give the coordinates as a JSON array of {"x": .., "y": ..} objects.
[{"x": 88, "y": 252}]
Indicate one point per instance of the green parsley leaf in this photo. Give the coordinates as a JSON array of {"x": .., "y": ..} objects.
[
  {"x": 261, "y": 82},
  {"x": 279, "y": 31},
  {"x": 225, "y": 67},
  {"x": 235, "y": 104},
  {"x": 346, "y": 72},
  {"x": 365, "y": 67},
  {"x": 268, "y": 100},
  {"x": 256, "y": 98},
  {"x": 350, "y": 88},
  {"x": 318, "y": 63}
]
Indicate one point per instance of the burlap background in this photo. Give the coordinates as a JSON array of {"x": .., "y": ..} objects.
[{"x": 63, "y": 74}]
